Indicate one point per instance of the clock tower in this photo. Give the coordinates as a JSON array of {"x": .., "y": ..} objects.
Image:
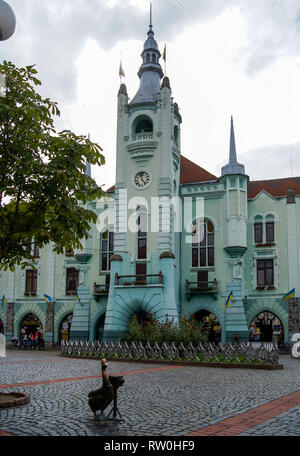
[{"x": 147, "y": 178}]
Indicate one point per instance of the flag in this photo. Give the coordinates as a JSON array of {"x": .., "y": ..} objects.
[
  {"x": 3, "y": 301},
  {"x": 48, "y": 298},
  {"x": 77, "y": 299},
  {"x": 230, "y": 296},
  {"x": 289, "y": 295},
  {"x": 164, "y": 55},
  {"x": 121, "y": 71}
]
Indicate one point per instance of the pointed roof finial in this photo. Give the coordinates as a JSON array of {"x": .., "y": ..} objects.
[
  {"x": 233, "y": 167},
  {"x": 150, "y": 15},
  {"x": 232, "y": 149}
]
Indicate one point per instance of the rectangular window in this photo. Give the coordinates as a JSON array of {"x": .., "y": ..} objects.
[
  {"x": 265, "y": 273},
  {"x": 31, "y": 281},
  {"x": 258, "y": 232},
  {"x": 270, "y": 232},
  {"x": 141, "y": 268},
  {"x": 72, "y": 280}
]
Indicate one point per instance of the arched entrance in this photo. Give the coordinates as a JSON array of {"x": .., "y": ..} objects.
[
  {"x": 211, "y": 324},
  {"x": 65, "y": 326},
  {"x": 269, "y": 327},
  {"x": 32, "y": 329},
  {"x": 99, "y": 328},
  {"x": 1, "y": 327}
]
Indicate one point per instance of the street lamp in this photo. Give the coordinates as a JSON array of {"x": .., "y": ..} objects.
[{"x": 7, "y": 21}]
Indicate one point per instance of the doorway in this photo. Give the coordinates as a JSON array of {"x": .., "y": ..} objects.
[
  {"x": 269, "y": 327},
  {"x": 211, "y": 324}
]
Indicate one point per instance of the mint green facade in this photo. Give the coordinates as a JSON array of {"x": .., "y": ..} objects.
[{"x": 148, "y": 176}]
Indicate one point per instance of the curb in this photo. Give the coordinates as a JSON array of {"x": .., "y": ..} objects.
[{"x": 21, "y": 399}]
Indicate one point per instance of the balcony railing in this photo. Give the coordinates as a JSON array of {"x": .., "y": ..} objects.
[
  {"x": 201, "y": 287},
  {"x": 143, "y": 136},
  {"x": 139, "y": 279},
  {"x": 101, "y": 290}
]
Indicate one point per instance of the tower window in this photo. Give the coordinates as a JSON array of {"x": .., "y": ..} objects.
[
  {"x": 147, "y": 58},
  {"x": 144, "y": 125}
]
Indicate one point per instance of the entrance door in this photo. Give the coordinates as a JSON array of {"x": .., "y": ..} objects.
[
  {"x": 1, "y": 327},
  {"x": 269, "y": 327}
]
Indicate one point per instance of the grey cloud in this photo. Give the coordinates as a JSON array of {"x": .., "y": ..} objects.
[
  {"x": 52, "y": 33},
  {"x": 274, "y": 160}
]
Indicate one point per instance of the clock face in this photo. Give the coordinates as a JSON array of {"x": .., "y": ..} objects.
[{"x": 142, "y": 179}]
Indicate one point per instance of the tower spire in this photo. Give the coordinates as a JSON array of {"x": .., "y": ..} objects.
[
  {"x": 232, "y": 149},
  {"x": 233, "y": 167},
  {"x": 150, "y": 72}
]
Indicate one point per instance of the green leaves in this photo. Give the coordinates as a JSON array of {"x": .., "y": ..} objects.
[{"x": 43, "y": 185}]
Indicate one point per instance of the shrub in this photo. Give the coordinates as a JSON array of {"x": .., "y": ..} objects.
[{"x": 151, "y": 330}]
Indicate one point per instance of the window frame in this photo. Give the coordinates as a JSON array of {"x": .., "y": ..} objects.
[
  {"x": 31, "y": 282},
  {"x": 108, "y": 251},
  {"x": 203, "y": 251},
  {"x": 75, "y": 275},
  {"x": 263, "y": 267}
]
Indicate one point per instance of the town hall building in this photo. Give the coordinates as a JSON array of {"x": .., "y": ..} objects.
[{"x": 171, "y": 239}]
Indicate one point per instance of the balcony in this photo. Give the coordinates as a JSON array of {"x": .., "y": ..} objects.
[
  {"x": 100, "y": 290},
  {"x": 143, "y": 136},
  {"x": 140, "y": 280},
  {"x": 193, "y": 288}
]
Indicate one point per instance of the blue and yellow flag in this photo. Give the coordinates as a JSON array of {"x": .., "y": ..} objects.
[
  {"x": 77, "y": 299},
  {"x": 230, "y": 296},
  {"x": 164, "y": 54},
  {"x": 289, "y": 295},
  {"x": 48, "y": 298},
  {"x": 3, "y": 300}
]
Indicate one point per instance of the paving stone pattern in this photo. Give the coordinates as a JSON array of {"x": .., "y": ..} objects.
[{"x": 153, "y": 401}]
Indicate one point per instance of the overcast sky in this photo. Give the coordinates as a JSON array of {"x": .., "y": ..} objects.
[{"x": 224, "y": 57}]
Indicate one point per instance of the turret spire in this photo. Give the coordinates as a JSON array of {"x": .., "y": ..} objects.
[
  {"x": 233, "y": 167},
  {"x": 150, "y": 72}
]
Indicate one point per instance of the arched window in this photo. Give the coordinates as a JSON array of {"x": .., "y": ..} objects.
[
  {"x": 147, "y": 58},
  {"x": 153, "y": 58},
  {"x": 203, "y": 244},
  {"x": 144, "y": 125},
  {"x": 106, "y": 249}
]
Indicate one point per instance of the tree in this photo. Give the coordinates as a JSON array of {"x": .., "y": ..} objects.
[{"x": 43, "y": 186}]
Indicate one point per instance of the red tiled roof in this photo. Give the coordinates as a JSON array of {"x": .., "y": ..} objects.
[
  {"x": 276, "y": 187},
  {"x": 190, "y": 172}
]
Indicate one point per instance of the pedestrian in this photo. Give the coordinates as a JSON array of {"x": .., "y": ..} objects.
[{"x": 253, "y": 333}]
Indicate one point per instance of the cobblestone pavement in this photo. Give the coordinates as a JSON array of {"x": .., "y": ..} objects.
[{"x": 154, "y": 401}]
